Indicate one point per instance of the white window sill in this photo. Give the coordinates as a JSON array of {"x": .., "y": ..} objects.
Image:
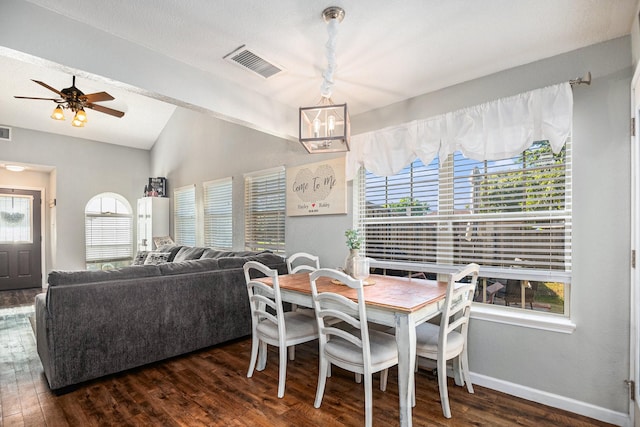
[{"x": 524, "y": 318}]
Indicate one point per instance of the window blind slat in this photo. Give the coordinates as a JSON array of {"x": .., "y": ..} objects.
[
  {"x": 184, "y": 215},
  {"x": 218, "y": 214},
  {"x": 510, "y": 213},
  {"x": 108, "y": 230},
  {"x": 265, "y": 202}
]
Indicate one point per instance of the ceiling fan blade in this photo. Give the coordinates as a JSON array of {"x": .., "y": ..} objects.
[
  {"x": 45, "y": 99},
  {"x": 98, "y": 97},
  {"x": 49, "y": 87},
  {"x": 105, "y": 110}
]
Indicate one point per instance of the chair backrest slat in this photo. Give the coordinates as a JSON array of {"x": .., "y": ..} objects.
[
  {"x": 310, "y": 263},
  {"x": 455, "y": 314}
]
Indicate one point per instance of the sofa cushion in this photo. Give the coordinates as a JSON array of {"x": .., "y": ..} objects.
[
  {"x": 57, "y": 277},
  {"x": 190, "y": 266},
  {"x": 155, "y": 258},
  {"x": 214, "y": 253},
  {"x": 267, "y": 258},
  {"x": 245, "y": 254},
  {"x": 188, "y": 253},
  {"x": 231, "y": 262}
]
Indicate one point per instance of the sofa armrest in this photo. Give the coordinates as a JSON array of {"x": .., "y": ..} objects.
[{"x": 43, "y": 340}]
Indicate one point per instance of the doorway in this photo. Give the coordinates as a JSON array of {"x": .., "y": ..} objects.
[
  {"x": 20, "y": 239},
  {"x": 634, "y": 384}
]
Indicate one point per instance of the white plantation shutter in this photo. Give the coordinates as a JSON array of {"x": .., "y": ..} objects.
[
  {"x": 108, "y": 230},
  {"x": 265, "y": 210},
  {"x": 184, "y": 215},
  {"x": 218, "y": 214},
  {"x": 503, "y": 214}
]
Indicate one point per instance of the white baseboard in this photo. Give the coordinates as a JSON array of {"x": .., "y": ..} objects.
[{"x": 553, "y": 400}]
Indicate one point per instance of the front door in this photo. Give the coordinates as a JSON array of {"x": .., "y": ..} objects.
[{"x": 20, "y": 239}]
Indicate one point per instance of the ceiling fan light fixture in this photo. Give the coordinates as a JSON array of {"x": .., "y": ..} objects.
[
  {"x": 72, "y": 98},
  {"x": 81, "y": 115},
  {"x": 57, "y": 114}
]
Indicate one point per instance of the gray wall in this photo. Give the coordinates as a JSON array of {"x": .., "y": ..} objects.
[
  {"x": 194, "y": 148},
  {"x": 80, "y": 170},
  {"x": 588, "y": 365}
]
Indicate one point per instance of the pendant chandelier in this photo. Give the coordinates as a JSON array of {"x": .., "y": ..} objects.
[{"x": 325, "y": 127}]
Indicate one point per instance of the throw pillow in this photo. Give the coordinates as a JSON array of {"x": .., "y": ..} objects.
[
  {"x": 188, "y": 253},
  {"x": 172, "y": 249},
  {"x": 155, "y": 258},
  {"x": 140, "y": 257},
  {"x": 163, "y": 240}
]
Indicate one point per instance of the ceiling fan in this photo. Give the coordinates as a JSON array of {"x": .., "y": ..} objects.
[{"x": 72, "y": 98}]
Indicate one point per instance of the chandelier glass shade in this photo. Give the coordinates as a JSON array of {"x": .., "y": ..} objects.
[
  {"x": 325, "y": 128},
  {"x": 79, "y": 119}
]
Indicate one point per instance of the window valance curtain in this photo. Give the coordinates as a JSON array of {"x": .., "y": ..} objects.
[{"x": 491, "y": 131}]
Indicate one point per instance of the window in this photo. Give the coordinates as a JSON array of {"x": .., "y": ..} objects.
[
  {"x": 264, "y": 199},
  {"x": 184, "y": 215},
  {"x": 513, "y": 217},
  {"x": 16, "y": 219},
  {"x": 218, "y": 214},
  {"x": 108, "y": 232}
]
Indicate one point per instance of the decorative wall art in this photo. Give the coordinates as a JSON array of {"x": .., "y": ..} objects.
[
  {"x": 317, "y": 188},
  {"x": 157, "y": 187}
]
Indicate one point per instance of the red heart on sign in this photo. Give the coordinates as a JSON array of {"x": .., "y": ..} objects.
[{"x": 313, "y": 205}]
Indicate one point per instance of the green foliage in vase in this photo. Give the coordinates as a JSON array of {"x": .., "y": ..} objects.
[{"x": 354, "y": 240}]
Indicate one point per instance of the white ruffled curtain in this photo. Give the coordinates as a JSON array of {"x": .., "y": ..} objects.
[{"x": 491, "y": 131}]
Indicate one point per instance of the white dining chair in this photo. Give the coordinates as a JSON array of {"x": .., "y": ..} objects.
[
  {"x": 270, "y": 324},
  {"x": 448, "y": 340},
  {"x": 302, "y": 262},
  {"x": 348, "y": 343}
]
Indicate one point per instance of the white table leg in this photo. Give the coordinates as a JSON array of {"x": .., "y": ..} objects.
[{"x": 406, "y": 340}]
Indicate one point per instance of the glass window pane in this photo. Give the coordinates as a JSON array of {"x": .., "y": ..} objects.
[{"x": 16, "y": 219}]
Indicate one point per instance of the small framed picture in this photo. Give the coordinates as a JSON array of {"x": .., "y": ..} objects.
[{"x": 157, "y": 187}]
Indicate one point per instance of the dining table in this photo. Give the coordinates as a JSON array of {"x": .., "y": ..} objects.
[{"x": 398, "y": 302}]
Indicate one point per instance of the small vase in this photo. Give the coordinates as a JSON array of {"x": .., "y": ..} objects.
[{"x": 348, "y": 263}]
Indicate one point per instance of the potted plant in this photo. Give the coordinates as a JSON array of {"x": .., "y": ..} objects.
[
  {"x": 354, "y": 243},
  {"x": 354, "y": 240}
]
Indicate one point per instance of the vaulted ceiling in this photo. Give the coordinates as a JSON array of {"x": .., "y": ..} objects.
[{"x": 152, "y": 55}]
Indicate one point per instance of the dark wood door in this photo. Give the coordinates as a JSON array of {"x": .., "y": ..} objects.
[{"x": 20, "y": 239}]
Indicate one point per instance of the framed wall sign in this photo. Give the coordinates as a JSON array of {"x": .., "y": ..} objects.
[
  {"x": 317, "y": 188},
  {"x": 158, "y": 187}
]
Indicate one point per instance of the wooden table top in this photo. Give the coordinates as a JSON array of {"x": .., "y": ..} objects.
[{"x": 390, "y": 292}]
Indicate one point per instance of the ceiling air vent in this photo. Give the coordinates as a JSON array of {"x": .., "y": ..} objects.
[
  {"x": 5, "y": 133},
  {"x": 251, "y": 61}
]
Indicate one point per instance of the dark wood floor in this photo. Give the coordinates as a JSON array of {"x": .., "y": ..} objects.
[{"x": 210, "y": 388}]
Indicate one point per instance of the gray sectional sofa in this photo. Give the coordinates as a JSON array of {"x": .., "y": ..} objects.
[{"x": 94, "y": 323}]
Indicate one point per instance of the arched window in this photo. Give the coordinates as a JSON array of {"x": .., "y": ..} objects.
[{"x": 108, "y": 231}]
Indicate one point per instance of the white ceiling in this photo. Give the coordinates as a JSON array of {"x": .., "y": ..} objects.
[{"x": 386, "y": 52}]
